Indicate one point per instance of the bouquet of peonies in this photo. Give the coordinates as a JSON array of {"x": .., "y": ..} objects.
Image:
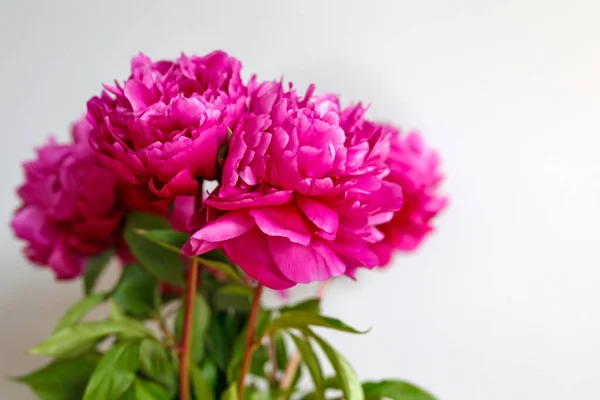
[{"x": 306, "y": 190}]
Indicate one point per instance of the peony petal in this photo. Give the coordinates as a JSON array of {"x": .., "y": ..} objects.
[
  {"x": 187, "y": 112},
  {"x": 195, "y": 247},
  {"x": 315, "y": 163},
  {"x": 285, "y": 221},
  {"x": 318, "y": 213},
  {"x": 315, "y": 187},
  {"x": 31, "y": 224},
  {"x": 237, "y": 149},
  {"x": 250, "y": 251},
  {"x": 230, "y": 225},
  {"x": 140, "y": 198},
  {"x": 305, "y": 264},
  {"x": 272, "y": 199},
  {"x": 181, "y": 184},
  {"x": 183, "y": 209},
  {"x": 65, "y": 264},
  {"x": 138, "y": 95},
  {"x": 384, "y": 251},
  {"x": 354, "y": 248},
  {"x": 381, "y": 218}
]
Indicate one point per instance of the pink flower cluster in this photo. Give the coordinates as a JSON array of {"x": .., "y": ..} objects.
[
  {"x": 70, "y": 210},
  {"x": 302, "y": 190},
  {"x": 307, "y": 189},
  {"x": 162, "y": 130}
]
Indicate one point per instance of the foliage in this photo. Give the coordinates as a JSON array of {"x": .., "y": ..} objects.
[{"x": 122, "y": 358}]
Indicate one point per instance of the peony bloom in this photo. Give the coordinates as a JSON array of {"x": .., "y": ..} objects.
[
  {"x": 69, "y": 210},
  {"x": 162, "y": 130},
  {"x": 183, "y": 210},
  {"x": 302, "y": 188},
  {"x": 414, "y": 167}
]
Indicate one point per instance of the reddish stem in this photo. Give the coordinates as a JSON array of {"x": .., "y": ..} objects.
[
  {"x": 186, "y": 342},
  {"x": 249, "y": 346}
]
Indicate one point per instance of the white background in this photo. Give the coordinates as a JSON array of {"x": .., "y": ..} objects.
[{"x": 503, "y": 302}]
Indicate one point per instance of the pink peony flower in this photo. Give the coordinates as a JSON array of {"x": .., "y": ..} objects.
[
  {"x": 414, "y": 167},
  {"x": 183, "y": 210},
  {"x": 69, "y": 210},
  {"x": 302, "y": 188},
  {"x": 162, "y": 130}
]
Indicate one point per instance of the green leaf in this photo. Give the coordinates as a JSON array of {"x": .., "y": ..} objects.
[
  {"x": 303, "y": 319},
  {"x": 224, "y": 267},
  {"x": 162, "y": 262},
  {"x": 348, "y": 380},
  {"x": 200, "y": 323},
  {"x": 281, "y": 351},
  {"x": 115, "y": 372},
  {"x": 232, "y": 324},
  {"x": 155, "y": 363},
  {"x": 264, "y": 320},
  {"x": 172, "y": 242},
  {"x": 331, "y": 382},
  {"x": 209, "y": 372},
  {"x": 167, "y": 236},
  {"x": 94, "y": 268},
  {"x": 310, "y": 305},
  {"x": 237, "y": 290},
  {"x": 129, "y": 394},
  {"x": 233, "y": 297},
  {"x": 254, "y": 393},
  {"x": 85, "y": 348},
  {"x": 200, "y": 386},
  {"x": 231, "y": 393},
  {"x": 259, "y": 359},
  {"x": 309, "y": 358},
  {"x": 264, "y": 317},
  {"x": 73, "y": 337},
  {"x": 137, "y": 291},
  {"x": 395, "y": 390},
  {"x": 145, "y": 221},
  {"x": 146, "y": 390},
  {"x": 80, "y": 309},
  {"x": 237, "y": 353},
  {"x": 217, "y": 344},
  {"x": 62, "y": 379},
  {"x": 116, "y": 314},
  {"x": 282, "y": 355}
]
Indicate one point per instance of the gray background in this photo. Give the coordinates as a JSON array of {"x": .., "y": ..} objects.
[{"x": 502, "y": 303}]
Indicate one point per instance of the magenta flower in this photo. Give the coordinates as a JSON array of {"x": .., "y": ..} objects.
[
  {"x": 302, "y": 189},
  {"x": 183, "y": 210},
  {"x": 69, "y": 210},
  {"x": 162, "y": 130},
  {"x": 414, "y": 167}
]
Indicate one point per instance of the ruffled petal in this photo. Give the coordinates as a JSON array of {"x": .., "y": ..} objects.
[
  {"x": 284, "y": 221},
  {"x": 305, "y": 264},
  {"x": 322, "y": 216},
  {"x": 250, "y": 251}
]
